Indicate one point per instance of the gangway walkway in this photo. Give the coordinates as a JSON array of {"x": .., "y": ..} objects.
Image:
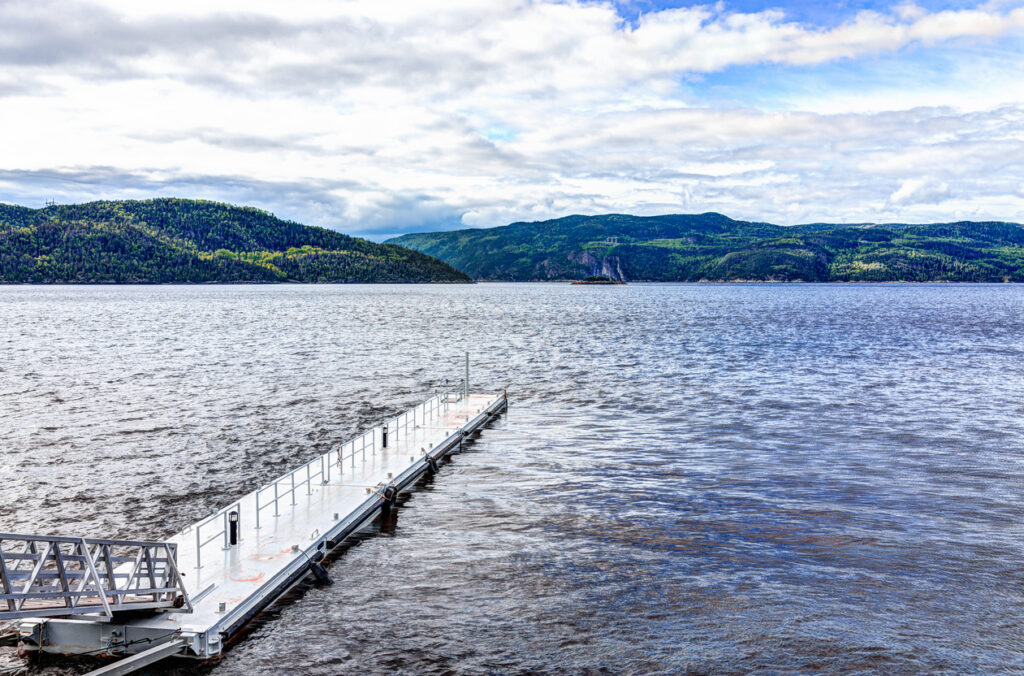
[
  {"x": 240, "y": 559},
  {"x": 55, "y": 576}
]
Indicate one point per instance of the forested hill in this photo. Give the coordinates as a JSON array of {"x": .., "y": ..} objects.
[
  {"x": 714, "y": 247},
  {"x": 174, "y": 240}
]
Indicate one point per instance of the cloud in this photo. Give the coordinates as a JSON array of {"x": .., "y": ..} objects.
[
  {"x": 377, "y": 119},
  {"x": 563, "y": 45},
  {"x": 920, "y": 191}
]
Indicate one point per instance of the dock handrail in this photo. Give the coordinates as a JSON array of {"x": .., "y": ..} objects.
[
  {"x": 322, "y": 472},
  {"x": 223, "y": 514},
  {"x": 321, "y": 466}
]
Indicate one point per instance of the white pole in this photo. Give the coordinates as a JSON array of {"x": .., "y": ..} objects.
[{"x": 466, "y": 382}]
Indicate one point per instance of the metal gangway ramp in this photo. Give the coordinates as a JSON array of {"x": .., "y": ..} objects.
[{"x": 42, "y": 576}]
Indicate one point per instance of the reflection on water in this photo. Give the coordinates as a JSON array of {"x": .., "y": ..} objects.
[{"x": 710, "y": 478}]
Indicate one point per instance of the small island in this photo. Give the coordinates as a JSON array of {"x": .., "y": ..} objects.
[{"x": 598, "y": 279}]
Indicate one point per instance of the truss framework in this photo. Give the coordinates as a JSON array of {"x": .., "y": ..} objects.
[{"x": 43, "y": 576}]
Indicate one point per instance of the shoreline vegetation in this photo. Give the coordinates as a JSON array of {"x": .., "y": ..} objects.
[
  {"x": 715, "y": 248},
  {"x": 176, "y": 241},
  {"x": 597, "y": 280}
]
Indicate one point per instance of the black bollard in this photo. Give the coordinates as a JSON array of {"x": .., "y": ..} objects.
[
  {"x": 319, "y": 572},
  {"x": 390, "y": 496},
  {"x": 233, "y": 528},
  {"x": 384, "y": 437}
]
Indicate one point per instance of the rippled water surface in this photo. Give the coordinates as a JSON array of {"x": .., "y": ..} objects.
[{"x": 703, "y": 478}]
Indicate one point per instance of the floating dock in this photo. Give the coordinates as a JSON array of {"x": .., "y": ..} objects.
[{"x": 190, "y": 595}]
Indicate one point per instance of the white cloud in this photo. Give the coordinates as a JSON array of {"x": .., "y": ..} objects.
[
  {"x": 378, "y": 117},
  {"x": 909, "y": 11},
  {"x": 920, "y": 191}
]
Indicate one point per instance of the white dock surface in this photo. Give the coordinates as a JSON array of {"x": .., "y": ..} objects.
[{"x": 238, "y": 575}]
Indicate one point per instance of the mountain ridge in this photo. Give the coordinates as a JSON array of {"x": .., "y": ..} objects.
[
  {"x": 170, "y": 240},
  {"x": 714, "y": 247}
]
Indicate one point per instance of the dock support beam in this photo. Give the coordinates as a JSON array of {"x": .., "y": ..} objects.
[{"x": 143, "y": 659}]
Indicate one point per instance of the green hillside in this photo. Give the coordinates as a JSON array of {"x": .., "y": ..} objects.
[
  {"x": 173, "y": 240},
  {"x": 713, "y": 247}
]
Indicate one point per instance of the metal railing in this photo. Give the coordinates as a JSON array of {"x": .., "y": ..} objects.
[
  {"x": 291, "y": 485},
  {"x": 43, "y": 576},
  {"x": 372, "y": 441},
  {"x": 223, "y": 517},
  {"x": 321, "y": 468}
]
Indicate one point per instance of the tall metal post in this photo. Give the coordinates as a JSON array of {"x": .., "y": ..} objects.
[{"x": 466, "y": 381}]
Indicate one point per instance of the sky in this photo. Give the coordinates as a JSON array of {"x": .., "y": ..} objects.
[{"x": 378, "y": 118}]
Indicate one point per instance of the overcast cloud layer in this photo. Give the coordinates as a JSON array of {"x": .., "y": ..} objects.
[{"x": 378, "y": 118}]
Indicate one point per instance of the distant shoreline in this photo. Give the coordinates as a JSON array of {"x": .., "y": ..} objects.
[
  {"x": 715, "y": 248},
  {"x": 559, "y": 282}
]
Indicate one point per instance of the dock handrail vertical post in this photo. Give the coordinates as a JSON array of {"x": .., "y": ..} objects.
[
  {"x": 466, "y": 381},
  {"x": 276, "y": 484}
]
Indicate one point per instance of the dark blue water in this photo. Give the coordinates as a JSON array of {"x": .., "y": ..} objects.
[{"x": 704, "y": 478}]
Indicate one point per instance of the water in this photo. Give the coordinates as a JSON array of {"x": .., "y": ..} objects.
[{"x": 734, "y": 478}]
